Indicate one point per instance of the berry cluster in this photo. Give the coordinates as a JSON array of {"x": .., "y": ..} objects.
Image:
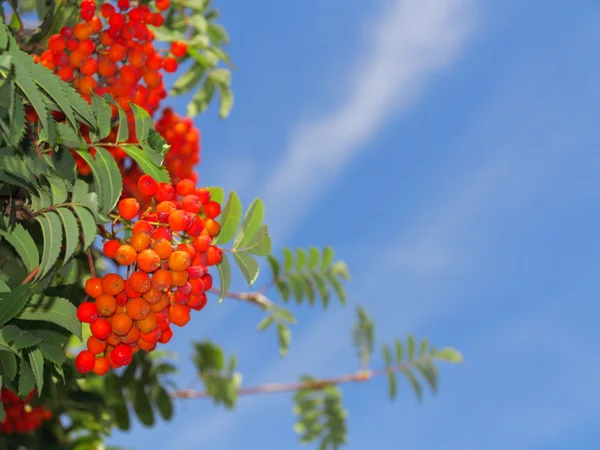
[
  {"x": 21, "y": 417},
  {"x": 167, "y": 259},
  {"x": 114, "y": 53}
]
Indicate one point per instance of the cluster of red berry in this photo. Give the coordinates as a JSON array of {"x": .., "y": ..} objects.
[
  {"x": 21, "y": 417},
  {"x": 167, "y": 259},
  {"x": 113, "y": 53}
]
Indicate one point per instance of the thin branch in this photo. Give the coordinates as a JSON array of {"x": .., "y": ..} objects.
[
  {"x": 31, "y": 276},
  {"x": 360, "y": 376},
  {"x": 255, "y": 298},
  {"x": 91, "y": 263}
]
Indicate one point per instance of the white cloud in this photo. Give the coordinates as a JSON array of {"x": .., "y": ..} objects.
[{"x": 409, "y": 42}]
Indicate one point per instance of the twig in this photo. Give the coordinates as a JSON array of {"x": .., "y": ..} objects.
[
  {"x": 91, "y": 263},
  {"x": 255, "y": 298},
  {"x": 32, "y": 275}
]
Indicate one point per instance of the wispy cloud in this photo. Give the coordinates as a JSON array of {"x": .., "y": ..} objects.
[{"x": 409, "y": 42}]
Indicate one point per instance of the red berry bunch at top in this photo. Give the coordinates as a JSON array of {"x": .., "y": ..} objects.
[
  {"x": 21, "y": 417},
  {"x": 167, "y": 259}
]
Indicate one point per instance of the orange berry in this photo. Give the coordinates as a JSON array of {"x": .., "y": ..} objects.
[
  {"x": 211, "y": 227},
  {"x": 106, "y": 304},
  {"x": 87, "y": 84},
  {"x": 179, "y": 260},
  {"x": 138, "y": 308},
  {"x": 148, "y": 324},
  {"x": 179, "y": 278},
  {"x": 93, "y": 287},
  {"x": 126, "y": 255},
  {"x": 179, "y": 314},
  {"x": 130, "y": 292},
  {"x": 163, "y": 5},
  {"x": 153, "y": 78},
  {"x": 140, "y": 282},
  {"x": 188, "y": 248},
  {"x": 163, "y": 248},
  {"x": 117, "y": 52},
  {"x": 112, "y": 284},
  {"x": 148, "y": 260},
  {"x": 201, "y": 243},
  {"x": 179, "y": 220},
  {"x": 140, "y": 241},
  {"x": 142, "y": 226},
  {"x": 113, "y": 340},
  {"x": 153, "y": 295},
  {"x": 82, "y": 31},
  {"x": 121, "y": 324},
  {"x": 161, "y": 304},
  {"x": 89, "y": 67},
  {"x": 166, "y": 207},
  {"x": 146, "y": 346},
  {"x": 106, "y": 68},
  {"x": 77, "y": 58},
  {"x": 128, "y": 208},
  {"x": 95, "y": 345},
  {"x": 101, "y": 366},
  {"x": 132, "y": 336},
  {"x": 162, "y": 280}
]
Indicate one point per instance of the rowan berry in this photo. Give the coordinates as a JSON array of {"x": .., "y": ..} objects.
[
  {"x": 111, "y": 247},
  {"x": 142, "y": 226},
  {"x": 179, "y": 314},
  {"x": 207, "y": 281},
  {"x": 164, "y": 192},
  {"x": 214, "y": 255},
  {"x": 89, "y": 67},
  {"x": 201, "y": 243},
  {"x": 66, "y": 32},
  {"x": 117, "y": 21},
  {"x": 196, "y": 227},
  {"x": 146, "y": 346},
  {"x": 153, "y": 295},
  {"x": 140, "y": 282},
  {"x": 95, "y": 345},
  {"x": 162, "y": 232},
  {"x": 161, "y": 304},
  {"x": 179, "y": 260},
  {"x": 162, "y": 247},
  {"x": 179, "y": 277},
  {"x": 162, "y": 280},
  {"x": 123, "y": 4},
  {"x": 191, "y": 203},
  {"x": 130, "y": 292},
  {"x": 121, "y": 324},
  {"x": 140, "y": 241},
  {"x": 132, "y": 336},
  {"x": 151, "y": 336},
  {"x": 166, "y": 335},
  {"x": 179, "y": 220},
  {"x": 106, "y": 304},
  {"x": 211, "y": 227},
  {"x": 195, "y": 272},
  {"x": 85, "y": 361},
  {"x": 101, "y": 366},
  {"x": 113, "y": 340},
  {"x": 148, "y": 324},
  {"x": 163, "y": 4},
  {"x": 122, "y": 354},
  {"x": 170, "y": 65},
  {"x": 211, "y": 210},
  {"x": 179, "y": 49},
  {"x": 197, "y": 286},
  {"x": 87, "y": 47},
  {"x": 126, "y": 255},
  {"x": 107, "y": 10},
  {"x": 122, "y": 297},
  {"x": 101, "y": 328},
  {"x": 93, "y": 287},
  {"x": 197, "y": 302},
  {"x": 128, "y": 208},
  {"x": 148, "y": 260},
  {"x": 180, "y": 297},
  {"x": 77, "y": 58},
  {"x": 82, "y": 31},
  {"x": 87, "y": 312},
  {"x": 112, "y": 284}
]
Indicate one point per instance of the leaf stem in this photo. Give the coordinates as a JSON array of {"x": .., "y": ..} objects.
[
  {"x": 255, "y": 298},
  {"x": 30, "y": 277},
  {"x": 91, "y": 263}
]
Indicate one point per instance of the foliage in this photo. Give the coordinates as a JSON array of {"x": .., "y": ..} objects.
[{"x": 53, "y": 218}]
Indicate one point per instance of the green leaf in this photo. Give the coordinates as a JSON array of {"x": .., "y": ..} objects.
[
  {"x": 163, "y": 402},
  {"x": 393, "y": 385},
  {"x": 26, "y": 340},
  {"x": 248, "y": 266},
  {"x": 399, "y": 351},
  {"x": 71, "y": 232},
  {"x": 413, "y": 381},
  {"x": 429, "y": 372},
  {"x": 449, "y": 354},
  {"x": 107, "y": 177},
  {"x": 284, "y": 290},
  {"x": 53, "y": 354},
  {"x": 52, "y": 233},
  {"x": 313, "y": 258},
  {"x": 36, "y": 359},
  {"x": 226, "y": 103},
  {"x": 2, "y": 412},
  {"x": 208, "y": 357},
  {"x": 141, "y": 405},
  {"x": 225, "y": 276},
  {"x": 141, "y": 157},
  {"x": 328, "y": 255},
  {"x": 387, "y": 356},
  {"x": 8, "y": 365},
  {"x": 300, "y": 259},
  {"x": 424, "y": 346},
  {"x": 70, "y": 137},
  {"x": 288, "y": 260},
  {"x": 201, "y": 98},
  {"x": 88, "y": 225},
  {"x": 260, "y": 244},
  {"x": 26, "y": 378},
  {"x": 188, "y": 80},
  {"x": 337, "y": 287},
  {"x": 22, "y": 242},
  {"x": 251, "y": 224},
  {"x": 143, "y": 122},
  {"x": 103, "y": 115},
  {"x": 13, "y": 302},
  {"x": 284, "y": 336},
  {"x": 275, "y": 267},
  {"x": 410, "y": 343},
  {"x": 216, "y": 194},
  {"x": 123, "y": 130},
  {"x": 56, "y": 310},
  {"x": 230, "y": 219},
  {"x": 297, "y": 285},
  {"x": 265, "y": 323},
  {"x": 321, "y": 284}
]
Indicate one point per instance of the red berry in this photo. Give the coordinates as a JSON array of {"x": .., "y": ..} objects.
[
  {"x": 165, "y": 192},
  {"x": 107, "y": 10},
  {"x": 178, "y": 48},
  {"x": 87, "y": 312},
  {"x": 121, "y": 354},
  {"x": 123, "y": 4},
  {"x": 101, "y": 328},
  {"x": 85, "y": 361},
  {"x": 128, "y": 208},
  {"x": 111, "y": 247},
  {"x": 211, "y": 210},
  {"x": 170, "y": 65}
]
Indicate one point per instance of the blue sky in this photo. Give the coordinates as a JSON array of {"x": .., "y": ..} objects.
[{"x": 449, "y": 151}]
